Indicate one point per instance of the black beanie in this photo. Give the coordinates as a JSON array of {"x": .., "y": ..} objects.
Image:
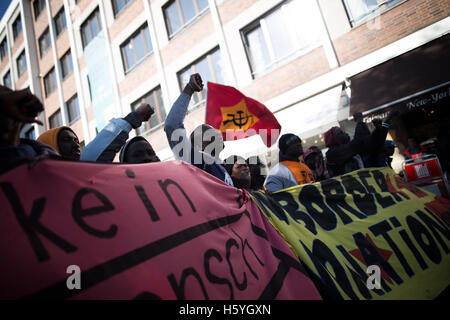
[{"x": 286, "y": 140}]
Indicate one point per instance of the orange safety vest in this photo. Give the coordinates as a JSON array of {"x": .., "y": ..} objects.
[{"x": 300, "y": 171}]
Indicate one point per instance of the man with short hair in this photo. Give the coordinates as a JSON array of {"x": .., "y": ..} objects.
[
  {"x": 289, "y": 171},
  {"x": 206, "y": 142}
]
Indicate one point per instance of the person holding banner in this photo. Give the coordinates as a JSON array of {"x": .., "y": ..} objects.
[
  {"x": 289, "y": 171},
  {"x": 16, "y": 109},
  {"x": 205, "y": 144}
]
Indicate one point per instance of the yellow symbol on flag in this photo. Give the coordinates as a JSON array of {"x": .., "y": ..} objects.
[{"x": 237, "y": 117}]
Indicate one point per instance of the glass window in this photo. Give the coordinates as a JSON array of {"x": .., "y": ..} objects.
[
  {"x": 21, "y": 63},
  {"x": 3, "y": 48},
  {"x": 154, "y": 99},
  {"x": 50, "y": 82},
  {"x": 73, "y": 110},
  {"x": 91, "y": 27},
  {"x": 66, "y": 64},
  {"x": 211, "y": 68},
  {"x": 38, "y": 6},
  {"x": 55, "y": 120},
  {"x": 360, "y": 10},
  {"x": 44, "y": 42},
  {"x": 7, "y": 81},
  {"x": 17, "y": 27},
  {"x": 119, "y": 5},
  {"x": 60, "y": 22},
  {"x": 179, "y": 13},
  {"x": 136, "y": 48},
  {"x": 293, "y": 27}
]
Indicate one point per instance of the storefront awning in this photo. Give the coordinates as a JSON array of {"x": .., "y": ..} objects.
[{"x": 417, "y": 71}]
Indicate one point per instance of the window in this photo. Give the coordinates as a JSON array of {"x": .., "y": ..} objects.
[
  {"x": 7, "y": 81},
  {"x": 180, "y": 13},
  {"x": 136, "y": 48},
  {"x": 60, "y": 22},
  {"x": 38, "y": 6},
  {"x": 211, "y": 68},
  {"x": 17, "y": 27},
  {"x": 44, "y": 42},
  {"x": 30, "y": 134},
  {"x": 119, "y": 5},
  {"x": 21, "y": 63},
  {"x": 360, "y": 10},
  {"x": 66, "y": 64},
  {"x": 3, "y": 48},
  {"x": 290, "y": 29},
  {"x": 154, "y": 99},
  {"x": 91, "y": 27},
  {"x": 50, "y": 82},
  {"x": 55, "y": 120},
  {"x": 73, "y": 110}
]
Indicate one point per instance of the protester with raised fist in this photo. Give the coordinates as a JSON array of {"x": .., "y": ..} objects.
[{"x": 206, "y": 143}]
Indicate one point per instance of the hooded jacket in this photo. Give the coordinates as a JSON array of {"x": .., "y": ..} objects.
[{"x": 50, "y": 137}]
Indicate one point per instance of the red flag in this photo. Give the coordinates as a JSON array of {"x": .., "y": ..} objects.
[{"x": 237, "y": 116}]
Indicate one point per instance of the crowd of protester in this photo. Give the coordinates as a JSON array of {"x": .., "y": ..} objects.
[{"x": 201, "y": 149}]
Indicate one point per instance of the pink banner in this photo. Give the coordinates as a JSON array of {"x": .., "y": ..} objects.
[{"x": 157, "y": 231}]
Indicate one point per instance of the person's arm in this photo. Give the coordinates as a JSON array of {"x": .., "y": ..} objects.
[
  {"x": 174, "y": 127},
  {"x": 111, "y": 139}
]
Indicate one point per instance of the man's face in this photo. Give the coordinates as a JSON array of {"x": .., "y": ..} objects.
[
  {"x": 140, "y": 152},
  {"x": 295, "y": 149},
  {"x": 68, "y": 144}
]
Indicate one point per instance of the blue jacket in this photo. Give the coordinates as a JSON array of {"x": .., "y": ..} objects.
[
  {"x": 181, "y": 145},
  {"x": 111, "y": 139}
]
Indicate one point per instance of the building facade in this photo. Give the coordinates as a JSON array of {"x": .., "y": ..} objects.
[{"x": 311, "y": 62}]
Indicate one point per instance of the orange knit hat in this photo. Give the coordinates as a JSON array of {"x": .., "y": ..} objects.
[{"x": 50, "y": 137}]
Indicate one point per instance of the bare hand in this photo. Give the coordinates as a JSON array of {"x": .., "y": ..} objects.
[
  {"x": 20, "y": 105},
  {"x": 196, "y": 82},
  {"x": 145, "y": 111}
]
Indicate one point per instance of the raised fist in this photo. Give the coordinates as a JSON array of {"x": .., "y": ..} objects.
[
  {"x": 145, "y": 111},
  {"x": 20, "y": 105},
  {"x": 196, "y": 82}
]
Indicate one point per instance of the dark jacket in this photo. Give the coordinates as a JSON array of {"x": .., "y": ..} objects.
[
  {"x": 181, "y": 145},
  {"x": 344, "y": 158}
]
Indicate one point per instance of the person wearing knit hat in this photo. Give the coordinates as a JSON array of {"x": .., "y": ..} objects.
[
  {"x": 110, "y": 140},
  {"x": 313, "y": 158},
  {"x": 138, "y": 150},
  {"x": 289, "y": 171},
  {"x": 64, "y": 140}
]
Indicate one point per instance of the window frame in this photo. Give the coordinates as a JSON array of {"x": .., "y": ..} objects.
[
  {"x": 41, "y": 5},
  {"x": 5, "y": 54},
  {"x": 57, "y": 114},
  {"x": 77, "y": 107},
  {"x": 45, "y": 35},
  {"x": 7, "y": 73},
  {"x": 146, "y": 127},
  {"x": 61, "y": 13},
  {"x": 184, "y": 24},
  {"x": 382, "y": 6},
  {"x": 62, "y": 61},
  {"x": 141, "y": 30},
  {"x": 126, "y": 4},
  {"x": 95, "y": 14},
  {"x": 19, "y": 57},
  {"x": 17, "y": 22},
  {"x": 200, "y": 96},
  {"x": 275, "y": 62},
  {"x": 52, "y": 71}
]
